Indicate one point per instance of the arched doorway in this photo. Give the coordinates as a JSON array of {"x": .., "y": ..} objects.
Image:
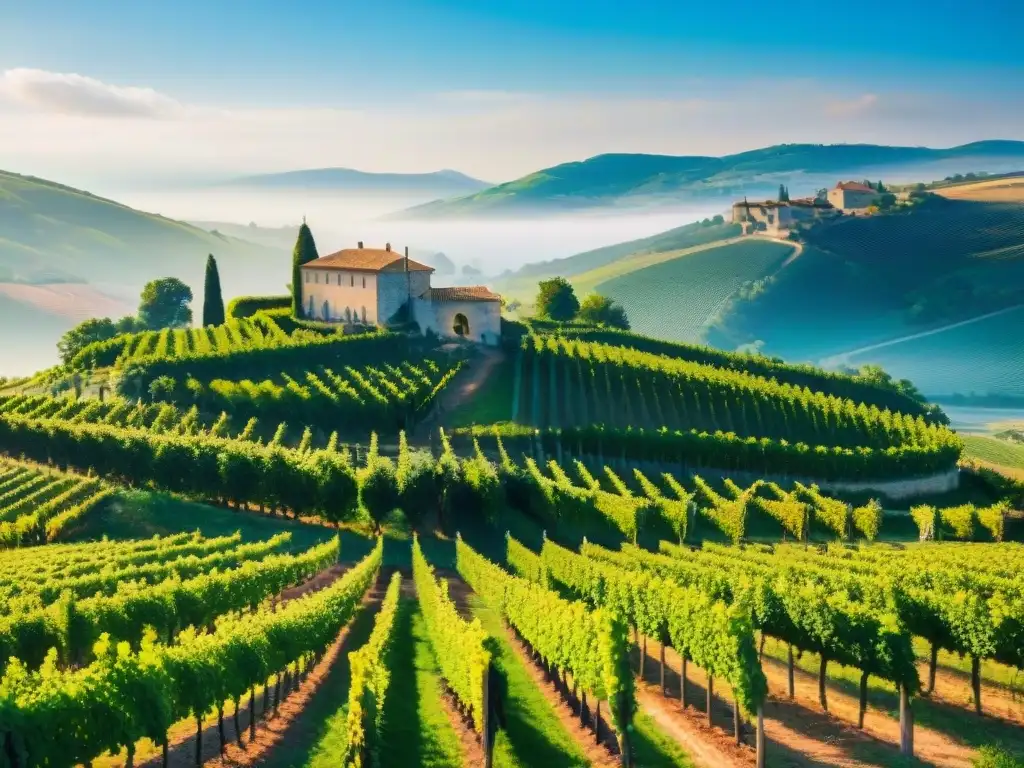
[
  {"x": 326, "y": 311},
  {"x": 461, "y": 326}
]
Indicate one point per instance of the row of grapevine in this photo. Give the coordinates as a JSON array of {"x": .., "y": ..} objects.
[
  {"x": 964, "y": 522},
  {"x": 377, "y": 397},
  {"x": 727, "y": 452},
  {"x": 180, "y": 342},
  {"x": 845, "y": 386},
  {"x": 949, "y": 604},
  {"x": 830, "y": 620},
  {"x": 459, "y": 646},
  {"x": 590, "y": 645},
  {"x": 257, "y": 363},
  {"x": 61, "y": 561},
  {"x": 73, "y": 626},
  {"x": 717, "y": 637},
  {"x": 124, "y": 696},
  {"x": 370, "y": 676},
  {"x": 110, "y": 581},
  {"x": 629, "y": 387},
  {"x": 37, "y": 504}
]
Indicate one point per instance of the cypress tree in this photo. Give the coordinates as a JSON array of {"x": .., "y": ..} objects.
[
  {"x": 304, "y": 252},
  {"x": 213, "y": 300}
]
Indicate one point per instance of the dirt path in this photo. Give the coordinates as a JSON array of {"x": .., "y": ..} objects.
[
  {"x": 598, "y": 754},
  {"x": 799, "y": 733},
  {"x": 467, "y": 382},
  {"x": 273, "y": 731}
]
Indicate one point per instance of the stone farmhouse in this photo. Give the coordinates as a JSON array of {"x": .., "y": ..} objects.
[
  {"x": 372, "y": 286},
  {"x": 852, "y": 196},
  {"x": 775, "y": 217}
]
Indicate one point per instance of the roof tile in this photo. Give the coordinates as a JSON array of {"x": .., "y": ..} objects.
[{"x": 367, "y": 260}]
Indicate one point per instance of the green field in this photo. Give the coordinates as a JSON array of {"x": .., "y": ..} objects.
[
  {"x": 676, "y": 298},
  {"x": 994, "y": 451}
]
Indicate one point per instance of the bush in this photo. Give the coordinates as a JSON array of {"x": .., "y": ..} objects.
[{"x": 247, "y": 306}]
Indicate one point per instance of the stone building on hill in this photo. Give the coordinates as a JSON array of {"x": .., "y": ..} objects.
[
  {"x": 777, "y": 217},
  {"x": 852, "y": 196},
  {"x": 373, "y": 286}
]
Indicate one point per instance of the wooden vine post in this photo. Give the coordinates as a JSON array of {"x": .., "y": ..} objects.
[
  {"x": 906, "y": 723},
  {"x": 760, "y": 736},
  {"x": 485, "y": 719}
]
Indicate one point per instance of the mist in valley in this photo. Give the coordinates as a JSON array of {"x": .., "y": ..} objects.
[{"x": 340, "y": 221}]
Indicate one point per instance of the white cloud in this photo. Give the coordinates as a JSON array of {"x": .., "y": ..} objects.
[
  {"x": 72, "y": 94},
  {"x": 858, "y": 106},
  {"x": 72, "y": 133}
]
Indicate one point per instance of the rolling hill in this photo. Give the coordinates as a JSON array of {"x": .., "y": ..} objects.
[
  {"x": 934, "y": 294},
  {"x": 628, "y": 180},
  {"x": 427, "y": 186},
  {"x": 66, "y": 254}
]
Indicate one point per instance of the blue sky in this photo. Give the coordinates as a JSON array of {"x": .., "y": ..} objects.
[{"x": 719, "y": 77}]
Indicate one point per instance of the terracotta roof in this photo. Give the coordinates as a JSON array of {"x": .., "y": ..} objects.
[
  {"x": 367, "y": 260},
  {"x": 854, "y": 186},
  {"x": 462, "y": 293}
]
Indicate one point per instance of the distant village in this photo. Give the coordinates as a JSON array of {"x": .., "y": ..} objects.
[{"x": 783, "y": 215}]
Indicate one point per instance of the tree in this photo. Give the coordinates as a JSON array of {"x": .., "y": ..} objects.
[
  {"x": 85, "y": 333},
  {"x": 165, "y": 303},
  {"x": 213, "y": 299},
  {"x": 783, "y": 193},
  {"x": 556, "y": 300},
  {"x": 128, "y": 324},
  {"x": 304, "y": 252},
  {"x": 881, "y": 187},
  {"x": 821, "y": 195},
  {"x": 600, "y": 310}
]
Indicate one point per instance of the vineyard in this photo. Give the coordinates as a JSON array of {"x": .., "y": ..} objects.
[
  {"x": 701, "y": 414},
  {"x": 642, "y": 567},
  {"x": 37, "y": 503}
]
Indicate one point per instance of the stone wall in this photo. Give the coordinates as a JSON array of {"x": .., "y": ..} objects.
[
  {"x": 484, "y": 319},
  {"x": 893, "y": 490},
  {"x": 354, "y": 291}
]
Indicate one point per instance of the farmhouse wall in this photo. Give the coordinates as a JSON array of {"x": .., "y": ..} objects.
[
  {"x": 395, "y": 288},
  {"x": 354, "y": 291},
  {"x": 439, "y": 316}
]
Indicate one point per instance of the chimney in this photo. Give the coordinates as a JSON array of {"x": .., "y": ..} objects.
[
  {"x": 360, "y": 245},
  {"x": 387, "y": 247}
]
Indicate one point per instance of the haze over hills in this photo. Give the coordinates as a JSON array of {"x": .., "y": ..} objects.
[
  {"x": 934, "y": 293},
  {"x": 427, "y": 186},
  {"x": 66, "y": 255},
  {"x": 634, "y": 180}
]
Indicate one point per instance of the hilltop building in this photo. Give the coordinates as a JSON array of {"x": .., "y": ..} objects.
[
  {"x": 852, "y": 196},
  {"x": 776, "y": 217},
  {"x": 373, "y": 286}
]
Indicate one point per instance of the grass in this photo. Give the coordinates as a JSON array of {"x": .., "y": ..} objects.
[
  {"x": 416, "y": 729},
  {"x": 137, "y": 514},
  {"x": 676, "y": 298},
  {"x": 492, "y": 403},
  {"x": 533, "y": 734},
  {"x": 993, "y": 451},
  {"x": 322, "y": 735},
  {"x": 653, "y": 748}
]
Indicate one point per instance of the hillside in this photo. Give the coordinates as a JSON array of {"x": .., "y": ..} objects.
[
  {"x": 639, "y": 180},
  {"x": 428, "y": 186},
  {"x": 912, "y": 291},
  {"x": 522, "y": 283},
  {"x": 53, "y": 235}
]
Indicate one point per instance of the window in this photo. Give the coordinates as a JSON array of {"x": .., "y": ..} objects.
[
  {"x": 310, "y": 306},
  {"x": 316, "y": 277},
  {"x": 364, "y": 282},
  {"x": 352, "y": 280},
  {"x": 307, "y": 277}
]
